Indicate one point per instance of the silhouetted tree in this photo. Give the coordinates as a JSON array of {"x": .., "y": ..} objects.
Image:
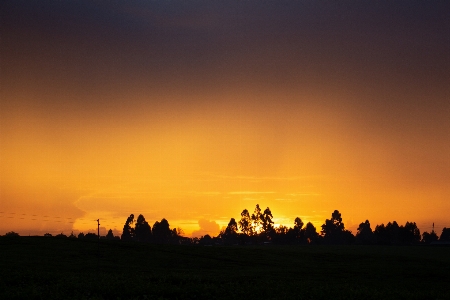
[
  {"x": 364, "y": 235},
  {"x": 110, "y": 235},
  {"x": 174, "y": 236},
  {"x": 409, "y": 234},
  {"x": 445, "y": 235},
  {"x": 393, "y": 234},
  {"x": 257, "y": 219},
  {"x": 48, "y": 234},
  {"x": 12, "y": 234},
  {"x": 333, "y": 229},
  {"x": 206, "y": 240},
  {"x": 282, "y": 230},
  {"x": 311, "y": 235},
  {"x": 142, "y": 231},
  {"x": 128, "y": 231},
  {"x": 81, "y": 235},
  {"x": 428, "y": 238},
  {"x": 229, "y": 235},
  {"x": 267, "y": 223},
  {"x": 72, "y": 236},
  {"x": 61, "y": 236},
  {"x": 232, "y": 227},
  {"x": 333, "y": 225},
  {"x": 185, "y": 240},
  {"x": 245, "y": 224},
  {"x": 282, "y": 235},
  {"x": 298, "y": 225},
  {"x": 381, "y": 235},
  {"x": 393, "y": 231},
  {"x": 347, "y": 237},
  {"x": 91, "y": 236},
  {"x": 178, "y": 237},
  {"x": 161, "y": 231}
]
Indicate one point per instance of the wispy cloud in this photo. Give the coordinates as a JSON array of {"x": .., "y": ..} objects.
[
  {"x": 256, "y": 178},
  {"x": 302, "y": 194},
  {"x": 249, "y": 193}
]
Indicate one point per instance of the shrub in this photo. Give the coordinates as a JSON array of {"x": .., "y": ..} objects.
[{"x": 12, "y": 234}]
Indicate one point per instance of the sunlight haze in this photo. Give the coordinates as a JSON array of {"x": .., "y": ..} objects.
[{"x": 194, "y": 112}]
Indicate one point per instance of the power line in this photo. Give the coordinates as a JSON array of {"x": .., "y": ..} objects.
[{"x": 55, "y": 219}]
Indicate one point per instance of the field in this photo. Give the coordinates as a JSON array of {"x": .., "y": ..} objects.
[{"x": 52, "y": 268}]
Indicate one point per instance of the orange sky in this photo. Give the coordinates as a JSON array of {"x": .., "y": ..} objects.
[{"x": 193, "y": 112}]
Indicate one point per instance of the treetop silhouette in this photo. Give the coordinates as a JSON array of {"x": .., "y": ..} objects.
[{"x": 258, "y": 228}]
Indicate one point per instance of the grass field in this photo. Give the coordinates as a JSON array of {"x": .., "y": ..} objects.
[{"x": 51, "y": 268}]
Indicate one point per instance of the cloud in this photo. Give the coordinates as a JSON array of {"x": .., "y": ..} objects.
[
  {"x": 302, "y": 194},
  {"x": 269, "y": 178},
  {"x": 249, "y": 193},
  {"x": 206, "y": 227}
]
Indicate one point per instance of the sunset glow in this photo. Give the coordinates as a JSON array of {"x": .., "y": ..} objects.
[{"x": 193, "y": 112}]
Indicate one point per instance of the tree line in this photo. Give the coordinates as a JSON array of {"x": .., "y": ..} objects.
[
  {"x": 258, "y": 228},
  {"x": 160, "y": 232}
]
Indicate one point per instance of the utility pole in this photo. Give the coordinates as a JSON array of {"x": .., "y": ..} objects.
[
  {"x": 98, "y": 229},
  {"x": 98, "y": 243}
]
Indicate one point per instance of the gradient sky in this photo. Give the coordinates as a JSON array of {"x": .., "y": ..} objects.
[{"x": 194, "y": 110}]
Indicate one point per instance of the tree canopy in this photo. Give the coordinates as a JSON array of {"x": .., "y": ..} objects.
[{"x": 258, "y": 228}]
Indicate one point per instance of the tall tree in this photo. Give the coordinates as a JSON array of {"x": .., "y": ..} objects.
[
  {"x": 161, "y": 231},
  {"x": 298, "y": 225},
  {"x": 110, "y": 235},
  {"x": 281, "y": 235},
  {"x": 206, "y": 240},
  {"x": 381, "y": 235},
  {"x": 174, "y": 237},
  {"x": 410, "y": 234},
  {"x": 257, "y": 219},
  {"x": 142, "y": 230},
  {"x": 393, "y": 231},
  {"x": 282, "y": 230},
  {"x": 267, "y": 223},
  {"x": 245, "y": 224},
  {"x": 428, "y": 238},
  {"x": 333, "y": 229},
  {"x": 310, "y": 233},
  {"x": 232, "y": 227},
  {"x": 364, "y": 235},
  {"x": 445, "y": 235},
  {"x": 128, "y": 231},
  {"x": 229, "y": 234}
]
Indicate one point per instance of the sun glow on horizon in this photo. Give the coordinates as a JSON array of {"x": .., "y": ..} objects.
[{"x": 287, "y": 107}]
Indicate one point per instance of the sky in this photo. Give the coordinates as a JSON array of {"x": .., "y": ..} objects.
[{"x": 195, "y": 110}]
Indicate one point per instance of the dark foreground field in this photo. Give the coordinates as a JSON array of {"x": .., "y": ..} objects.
[{"x": 51, "y": 268}]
